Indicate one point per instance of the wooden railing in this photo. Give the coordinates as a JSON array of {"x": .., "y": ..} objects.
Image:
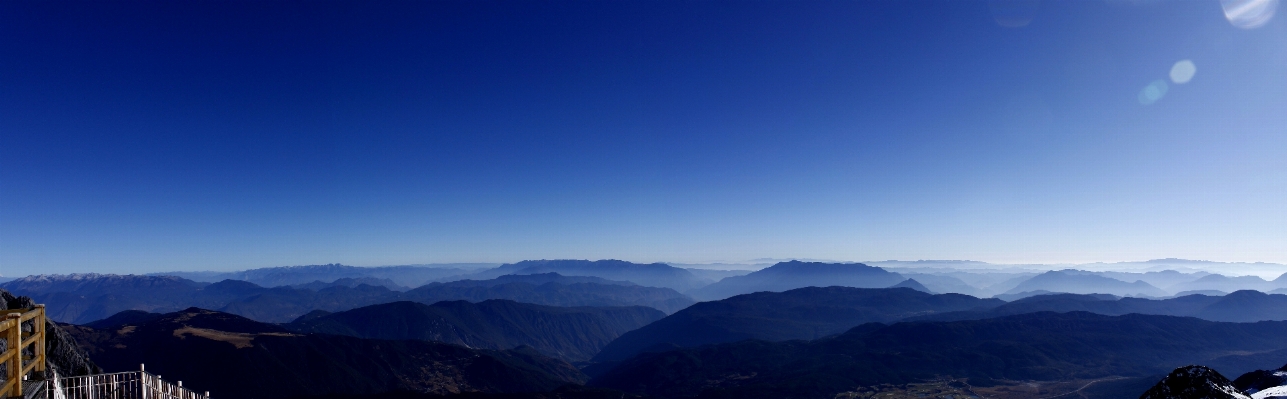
[
  {"x": 17, "y": 366},
  {"x": 128, "y": 385}
]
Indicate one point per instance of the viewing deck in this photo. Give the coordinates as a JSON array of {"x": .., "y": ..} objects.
[{"x": 25, "y": 375}]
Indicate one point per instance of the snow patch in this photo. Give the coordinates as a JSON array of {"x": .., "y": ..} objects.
[{"x": 1274, "y": 392}]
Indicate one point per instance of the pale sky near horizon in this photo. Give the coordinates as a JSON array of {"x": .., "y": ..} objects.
[{"x": 147, "y": 136}]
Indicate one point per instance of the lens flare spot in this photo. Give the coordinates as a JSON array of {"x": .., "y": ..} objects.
[
  {"x": 1249, "y": 14},
  {"x": 1153, "y": 92},
  {"x": 1014, "y": 13},
  {"x": 1182, "y": 72}
]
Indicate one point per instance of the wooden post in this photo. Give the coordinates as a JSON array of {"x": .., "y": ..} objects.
[
  {"x": 40, "y": 342},
  {"x": 15, "y": 345}
]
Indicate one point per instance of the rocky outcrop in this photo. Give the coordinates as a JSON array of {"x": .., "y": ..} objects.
[
  {"x": 62, "y": 355},
  {"x": 1194, "y": 382}
]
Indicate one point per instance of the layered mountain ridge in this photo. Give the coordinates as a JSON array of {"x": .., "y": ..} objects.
[
  {"x": 84, "y": 298},
  {"x": 568, "y": 333}
]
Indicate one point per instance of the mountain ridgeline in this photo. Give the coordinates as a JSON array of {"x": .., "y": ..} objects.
[
  {"x": 402, "y": 276},
  {"x": 83, "y": 298},
  {"x": 795, "y": 274},
  {"x": 1240, "y": 306},
  {"x": 568, "y": 333},
  {"x": 651, "y": 275},
  {"x": 803, "y": 313}
]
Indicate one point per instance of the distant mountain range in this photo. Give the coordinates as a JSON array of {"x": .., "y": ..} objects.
[
  {"x": 235, "y": 357},
  {"x": 1079, "y": 282},
  {"x": 555, "y": 290},
  {"x": 568, "y": 333},
  {"x": 1241, "y": 306},
  {"x": 980, "y": 279},
  {"x": 406, "y": 276},
  {"x": 82, "y": 298},
  {"x": 803, "y": 313},
  {"x": 651, "y": 275},
  {"x": 1038, "y": 346},
  {"x": 795, "y": 274}
]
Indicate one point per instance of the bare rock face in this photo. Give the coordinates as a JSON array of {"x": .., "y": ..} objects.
[
  {"x": 62, "y": 355},
  {"x": 1194, "y": 382}
]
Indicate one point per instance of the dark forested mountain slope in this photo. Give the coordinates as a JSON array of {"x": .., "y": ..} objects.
[
  {"x": 804, "y": 313},
  {"x": 795, "y": 274},
  {"x": 649, "y": 275},
  {"x": 283, "y": 304},
  {"x": 572, "y": 334},
  {"x": 1038, "y": 346},
  {"x": 235, "y": 357}
]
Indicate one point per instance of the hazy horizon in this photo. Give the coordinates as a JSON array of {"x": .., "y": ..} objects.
[{"x": 1133, "y": 266}]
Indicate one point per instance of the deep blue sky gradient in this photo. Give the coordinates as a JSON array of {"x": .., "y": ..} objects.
[{"x": 144, "y": 136}]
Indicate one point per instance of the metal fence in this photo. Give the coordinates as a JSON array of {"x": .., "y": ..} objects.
[{"x": 128, "y": 385}]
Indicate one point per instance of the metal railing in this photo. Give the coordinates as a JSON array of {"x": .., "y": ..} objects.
[
  {"x": 17, "y": 365},
  {"x": 128, "y": 385},
  {"x": 23, "y": 333}
]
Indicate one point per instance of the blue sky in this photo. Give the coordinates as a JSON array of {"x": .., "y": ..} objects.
[{"x": 148, "y": 136}]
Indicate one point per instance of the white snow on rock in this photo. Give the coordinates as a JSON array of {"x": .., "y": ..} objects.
[{"x": 1274, "y": 392}]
